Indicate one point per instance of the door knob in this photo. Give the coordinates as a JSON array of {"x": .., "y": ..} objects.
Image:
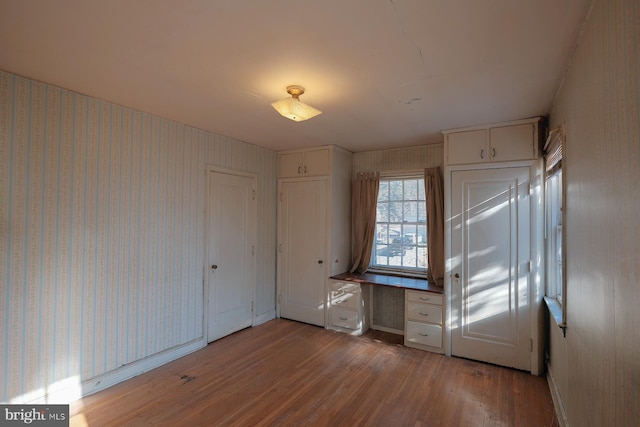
[
  {"x": 214, "y": 266},
  {"x": 320, "y": 261},
  {"x": 457, "y": 276}
]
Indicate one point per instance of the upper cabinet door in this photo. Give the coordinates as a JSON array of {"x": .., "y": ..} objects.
[
  {"x": 467, "y": 147},
  {"x": 316, "y": 162},
  {"x": 312, "y": 162},
  {"x": 290, "y": 164},
  {"x": 512, "y": 143},
  {"x": 504, "y": 142}
]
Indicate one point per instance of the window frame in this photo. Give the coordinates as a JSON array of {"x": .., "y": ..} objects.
[
  {"x": 419, "y": 229},
  {"x": 555, "y": 229}
]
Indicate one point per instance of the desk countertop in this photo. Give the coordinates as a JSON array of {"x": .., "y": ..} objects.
[{"x": 388, "y": 280}]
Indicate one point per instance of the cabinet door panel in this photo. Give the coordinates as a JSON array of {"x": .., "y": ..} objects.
[
  {"x": 467, "y": 147},
  {"x": 316, "y": 162},
  {"x": 290, "y": 165},
  {"x": 512, "y": 143}
]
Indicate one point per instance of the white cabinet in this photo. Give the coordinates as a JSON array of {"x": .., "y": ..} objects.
[
  {"x": 312, "y": 162},
  {"x": 347, "y": 303},
  {"x": 424, "y": 320},
  {"x": 314, "y": 231},
  {"x": 493, "y": 143}
]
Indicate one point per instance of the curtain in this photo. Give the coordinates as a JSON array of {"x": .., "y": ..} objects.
[
  {"x": 363, "y": 211},
  {"x": 435, "y": 225}
]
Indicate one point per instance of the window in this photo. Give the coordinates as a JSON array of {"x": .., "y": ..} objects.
[
  {"x": 554, "y": 220},
  {"x": 554, "y": 235},
  {"x": 401, "y": 226}
]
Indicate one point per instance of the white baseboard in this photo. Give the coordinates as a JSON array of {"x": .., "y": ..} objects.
[
  {"x": 131, "y": 370},
  {"x": 561, "y": 414},
  {"x": 263, "y": 318}
]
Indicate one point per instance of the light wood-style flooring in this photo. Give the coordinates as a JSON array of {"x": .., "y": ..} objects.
[{"x": 284, "y": 373}]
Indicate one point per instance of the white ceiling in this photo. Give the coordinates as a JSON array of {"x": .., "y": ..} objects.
[{"x": 385, "y": 73}]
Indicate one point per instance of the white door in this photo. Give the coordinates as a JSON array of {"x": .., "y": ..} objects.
[
  {"x": 302, "y": 271},
  {"x": 490, "y": 253},
  {"x": 231, "y": 253}
]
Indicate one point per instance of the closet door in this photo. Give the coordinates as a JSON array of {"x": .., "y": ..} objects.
[
  {"x": 302, "y": 271},
  {"x": 490, "y": 249},
  {"x": 231, "y": 266}
]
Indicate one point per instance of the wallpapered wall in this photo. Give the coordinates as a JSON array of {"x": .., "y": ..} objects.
[
  {"x": 102, "y": 234},
  {"x": 597, "y": 366}
]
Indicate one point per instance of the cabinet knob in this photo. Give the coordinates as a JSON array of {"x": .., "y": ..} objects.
[
  {"x": 214, "y": 267},
  {"x": 320, "y": 261}
]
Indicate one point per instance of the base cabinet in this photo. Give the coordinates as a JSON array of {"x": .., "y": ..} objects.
[
  {"x": 347, "y": 303},
  {"x": 424, "y": 320}
]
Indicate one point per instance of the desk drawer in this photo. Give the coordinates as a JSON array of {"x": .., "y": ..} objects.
[
  {"x": 424, "y": 297},
  {"x": 345, "y": 295},
  {"x": 424, "y": 333},
  {"x": 424, "y": 312},
  {"x": 344, "y": 318}
]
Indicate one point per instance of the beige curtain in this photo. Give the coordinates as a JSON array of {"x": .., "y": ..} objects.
[
  {"x": 363, "y": 211},
  {"x": 435, "y": 225}
]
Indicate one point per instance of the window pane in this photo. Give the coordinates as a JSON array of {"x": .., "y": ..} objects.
[
  {"x": 410, "y": 212},
  {"x": 422, "y": 211},
  {"x": 383, "y": 191},
  {"x": 382, "y": 213},
  {"x": 422, "y": 235},
  {"x": 411, "y": 190},
  {"x": 395, "y": 211},
  {"x": 395, "y": 190}
]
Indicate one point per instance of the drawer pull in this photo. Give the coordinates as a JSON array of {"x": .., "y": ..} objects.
[
  {"x": 423, "y": 334},
  {"x": 424, "y": 314},
  {"x": 343, "y": 318},
  {"x": 424, "y": 299}
]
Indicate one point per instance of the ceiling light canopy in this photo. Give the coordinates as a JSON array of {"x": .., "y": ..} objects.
[{"x": 294, "y": 109}]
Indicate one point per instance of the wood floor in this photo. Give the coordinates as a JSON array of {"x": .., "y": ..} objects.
[{"x": 284, "y": 373}]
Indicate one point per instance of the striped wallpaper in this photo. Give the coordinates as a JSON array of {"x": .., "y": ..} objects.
[
  {"x": 596, "y": 367},
  {"x": 398, "y": 159},
  {"x": 102, "y": 234}
]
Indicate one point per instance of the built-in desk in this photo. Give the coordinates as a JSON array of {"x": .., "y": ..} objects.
[
  {"x": 418, "y": 303},
  {"x": 388, "y": 280}
]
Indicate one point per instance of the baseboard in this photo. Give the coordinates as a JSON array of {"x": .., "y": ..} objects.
[
  {"x": 561, "y": 414},
  {"x": 71, "y": 391},
  {"x": 263, "y": 318}
]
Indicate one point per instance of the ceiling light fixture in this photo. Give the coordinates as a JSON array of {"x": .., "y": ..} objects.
[{"x": 294, "y": 109}]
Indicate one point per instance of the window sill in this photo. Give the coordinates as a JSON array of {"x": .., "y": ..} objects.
[{"x": 555, "y": 309}]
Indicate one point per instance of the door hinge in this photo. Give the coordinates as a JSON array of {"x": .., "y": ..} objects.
[
  {"x": 529, "y": 266},
  {"x": 252, "y": 306},
  {"x": 254, "y": 194},
  {"x": 280, "y": 197},
  {"x": 530, "y": 345},
  {"x": 253, "y": 249}
]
